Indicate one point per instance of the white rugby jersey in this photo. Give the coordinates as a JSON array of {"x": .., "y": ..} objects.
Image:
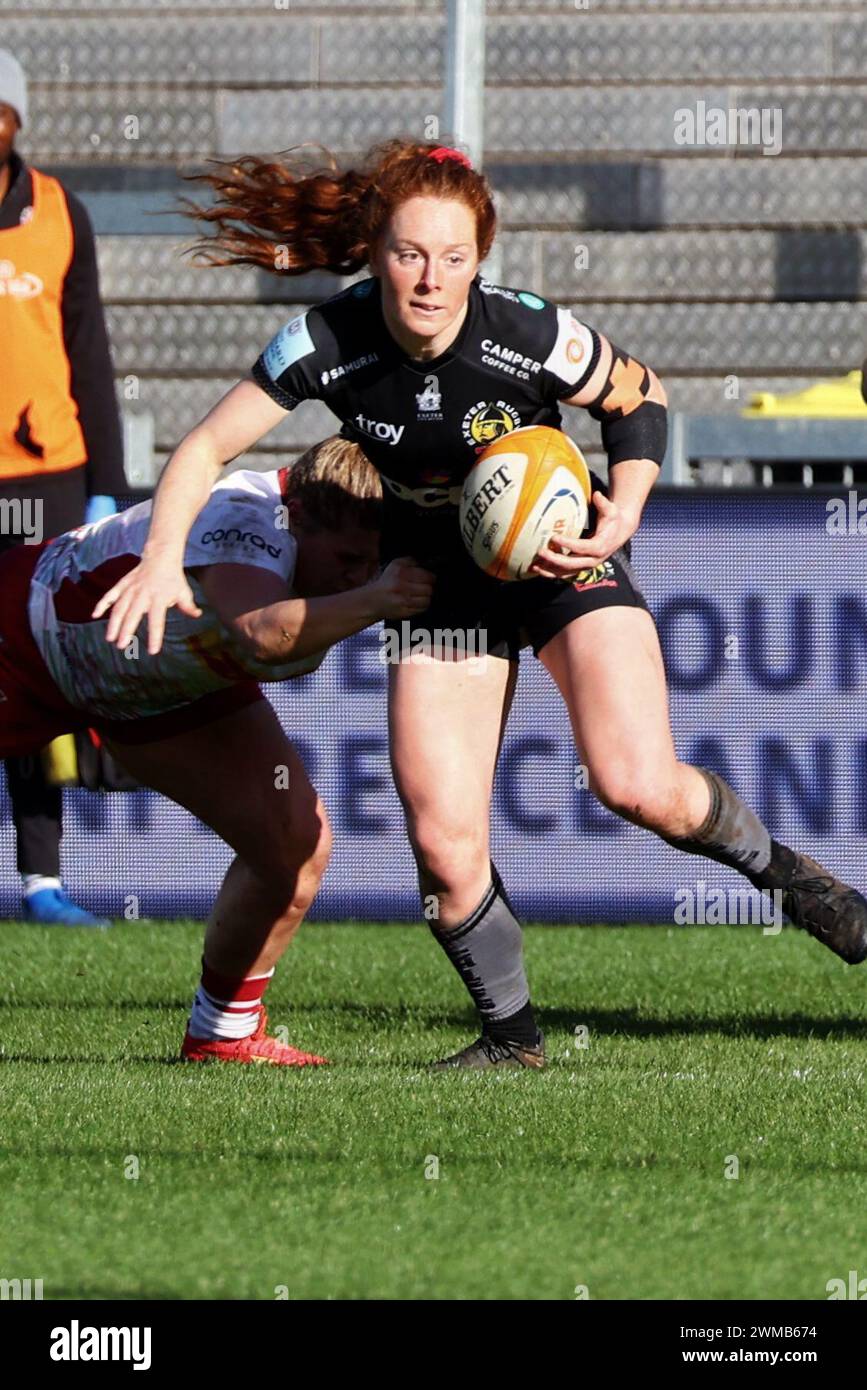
[{"x": 242, "y": 523}]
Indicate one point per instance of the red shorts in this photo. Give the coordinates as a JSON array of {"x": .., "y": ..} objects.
[{"x": 33, "y": 710}]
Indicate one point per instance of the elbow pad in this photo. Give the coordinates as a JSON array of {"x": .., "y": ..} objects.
[
  {"x": 641, "y": 435},
  {"x": 632, "y": 409}
]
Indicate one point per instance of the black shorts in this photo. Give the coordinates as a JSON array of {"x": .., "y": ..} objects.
[
  {"x": 511, "y": 614},
  {"x": 516, "y": 614}
]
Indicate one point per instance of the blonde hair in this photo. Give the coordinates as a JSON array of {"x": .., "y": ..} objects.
[{"x": 336, "y": 485}]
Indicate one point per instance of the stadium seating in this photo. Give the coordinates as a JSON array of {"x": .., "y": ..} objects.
[{"x": 709, "y": 262}]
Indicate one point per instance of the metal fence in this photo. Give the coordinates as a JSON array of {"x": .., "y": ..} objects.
[{"x": 711, "y": 451}]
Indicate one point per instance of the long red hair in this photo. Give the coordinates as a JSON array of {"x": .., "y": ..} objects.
[{"x": 296, "y": 214}]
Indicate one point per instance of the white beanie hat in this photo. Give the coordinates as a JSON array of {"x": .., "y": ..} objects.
[{"x": 13, "y": 84}]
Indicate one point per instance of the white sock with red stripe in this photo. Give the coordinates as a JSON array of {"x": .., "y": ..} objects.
[{"x": 227, "y": 1007}]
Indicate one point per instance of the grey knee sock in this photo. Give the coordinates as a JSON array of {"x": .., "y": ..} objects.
[
  {"x": 487, "y": 951},
  {"x": 732, "y": 833}
]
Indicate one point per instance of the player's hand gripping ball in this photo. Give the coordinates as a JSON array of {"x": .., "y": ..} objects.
[{"x": 525, "y": 488}]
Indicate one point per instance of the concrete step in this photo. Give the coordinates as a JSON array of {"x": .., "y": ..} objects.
[{"x": 225, "y": 340}]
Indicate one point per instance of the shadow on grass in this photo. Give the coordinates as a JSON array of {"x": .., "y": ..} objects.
[
  {"x": 631, "y": 1023},
  {"x": 613, "y": 1022},
  {"x": 201, "y": 1162},
  {"x": 624, "y": 1023},
  {"x": 99, "y": 1058}
]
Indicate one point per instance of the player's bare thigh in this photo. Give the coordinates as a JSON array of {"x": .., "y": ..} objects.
[
  {"x": 242, "y": 777},
  {"x": 446, "y": 720},
  {"x": 608, "y": 666}
]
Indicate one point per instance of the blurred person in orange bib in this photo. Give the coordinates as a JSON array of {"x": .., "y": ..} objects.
[{"x": 60, "y": 441}]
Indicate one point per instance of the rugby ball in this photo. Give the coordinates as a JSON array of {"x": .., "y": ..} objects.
[{"x": 524, "y": 488}]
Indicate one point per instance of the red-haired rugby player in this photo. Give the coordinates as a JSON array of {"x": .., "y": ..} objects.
[{"x": 425, "y": 362}]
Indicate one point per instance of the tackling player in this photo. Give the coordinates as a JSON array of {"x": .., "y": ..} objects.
[
  {"x": 425, "y": 363},
  {"x": 280, "y": 568}
]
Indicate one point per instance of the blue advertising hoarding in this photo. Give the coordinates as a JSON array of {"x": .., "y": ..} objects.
[{"x": 762, "y": 614}]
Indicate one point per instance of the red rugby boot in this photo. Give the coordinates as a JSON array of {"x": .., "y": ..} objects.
[{"x": 256, "y": 1048}]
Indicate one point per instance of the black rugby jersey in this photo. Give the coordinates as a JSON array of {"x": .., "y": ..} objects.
[{"x": 422, "y": 424}]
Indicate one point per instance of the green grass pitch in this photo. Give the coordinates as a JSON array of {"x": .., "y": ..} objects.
[{"x": 706, "y": 1046}]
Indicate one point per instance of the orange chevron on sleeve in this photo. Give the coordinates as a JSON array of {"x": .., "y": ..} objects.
[
  {"x": 627, "y": 381},
  {"x": 655, "y": 389}
]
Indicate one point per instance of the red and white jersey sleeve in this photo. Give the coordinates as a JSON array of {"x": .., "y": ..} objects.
[{"x": 243, "y": 522}]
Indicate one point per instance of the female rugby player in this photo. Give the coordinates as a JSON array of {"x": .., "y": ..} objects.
[
  {"x": 192, "y": 722},
  {"x": 425, "y": 363}
]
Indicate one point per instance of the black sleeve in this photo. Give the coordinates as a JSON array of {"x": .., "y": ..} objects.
[
  {"x": 288, "y": 370},
  {"x": 86, "y": 342}
]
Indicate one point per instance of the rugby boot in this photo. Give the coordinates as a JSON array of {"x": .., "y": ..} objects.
[
  {"x": 812, "y": 898},
  {"x": 256, "y": 1048},
  {"x": 488, "y": 1052},
  {"x": 52, "y": 907}
]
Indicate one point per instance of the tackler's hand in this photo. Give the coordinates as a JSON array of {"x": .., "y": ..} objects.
[
  {"x": 404, "y": 588},
  {"x": 150, "y": 589}
]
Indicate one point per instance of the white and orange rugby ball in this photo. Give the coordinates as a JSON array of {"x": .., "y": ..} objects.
[{"x": 526, "y": 487}]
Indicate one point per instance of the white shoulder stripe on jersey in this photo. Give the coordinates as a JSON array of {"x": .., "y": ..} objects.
[{"x": 571, "y": 354}]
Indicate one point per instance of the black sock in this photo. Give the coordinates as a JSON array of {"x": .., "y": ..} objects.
[
  {"x": 779, "y": 870},
  {"x": 519, "y": 1028}
]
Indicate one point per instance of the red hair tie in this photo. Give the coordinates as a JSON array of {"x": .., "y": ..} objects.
[{"x": 443, "y": 152}]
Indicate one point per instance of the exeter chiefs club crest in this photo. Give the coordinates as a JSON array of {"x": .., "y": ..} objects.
[
  {"x": 429, "y": 402},
  {"x": 599, "y": 577},
  {"x": 489, "y": 420}
]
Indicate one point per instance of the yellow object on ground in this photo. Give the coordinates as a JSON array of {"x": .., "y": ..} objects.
[{"x": 839, "y": 399}]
